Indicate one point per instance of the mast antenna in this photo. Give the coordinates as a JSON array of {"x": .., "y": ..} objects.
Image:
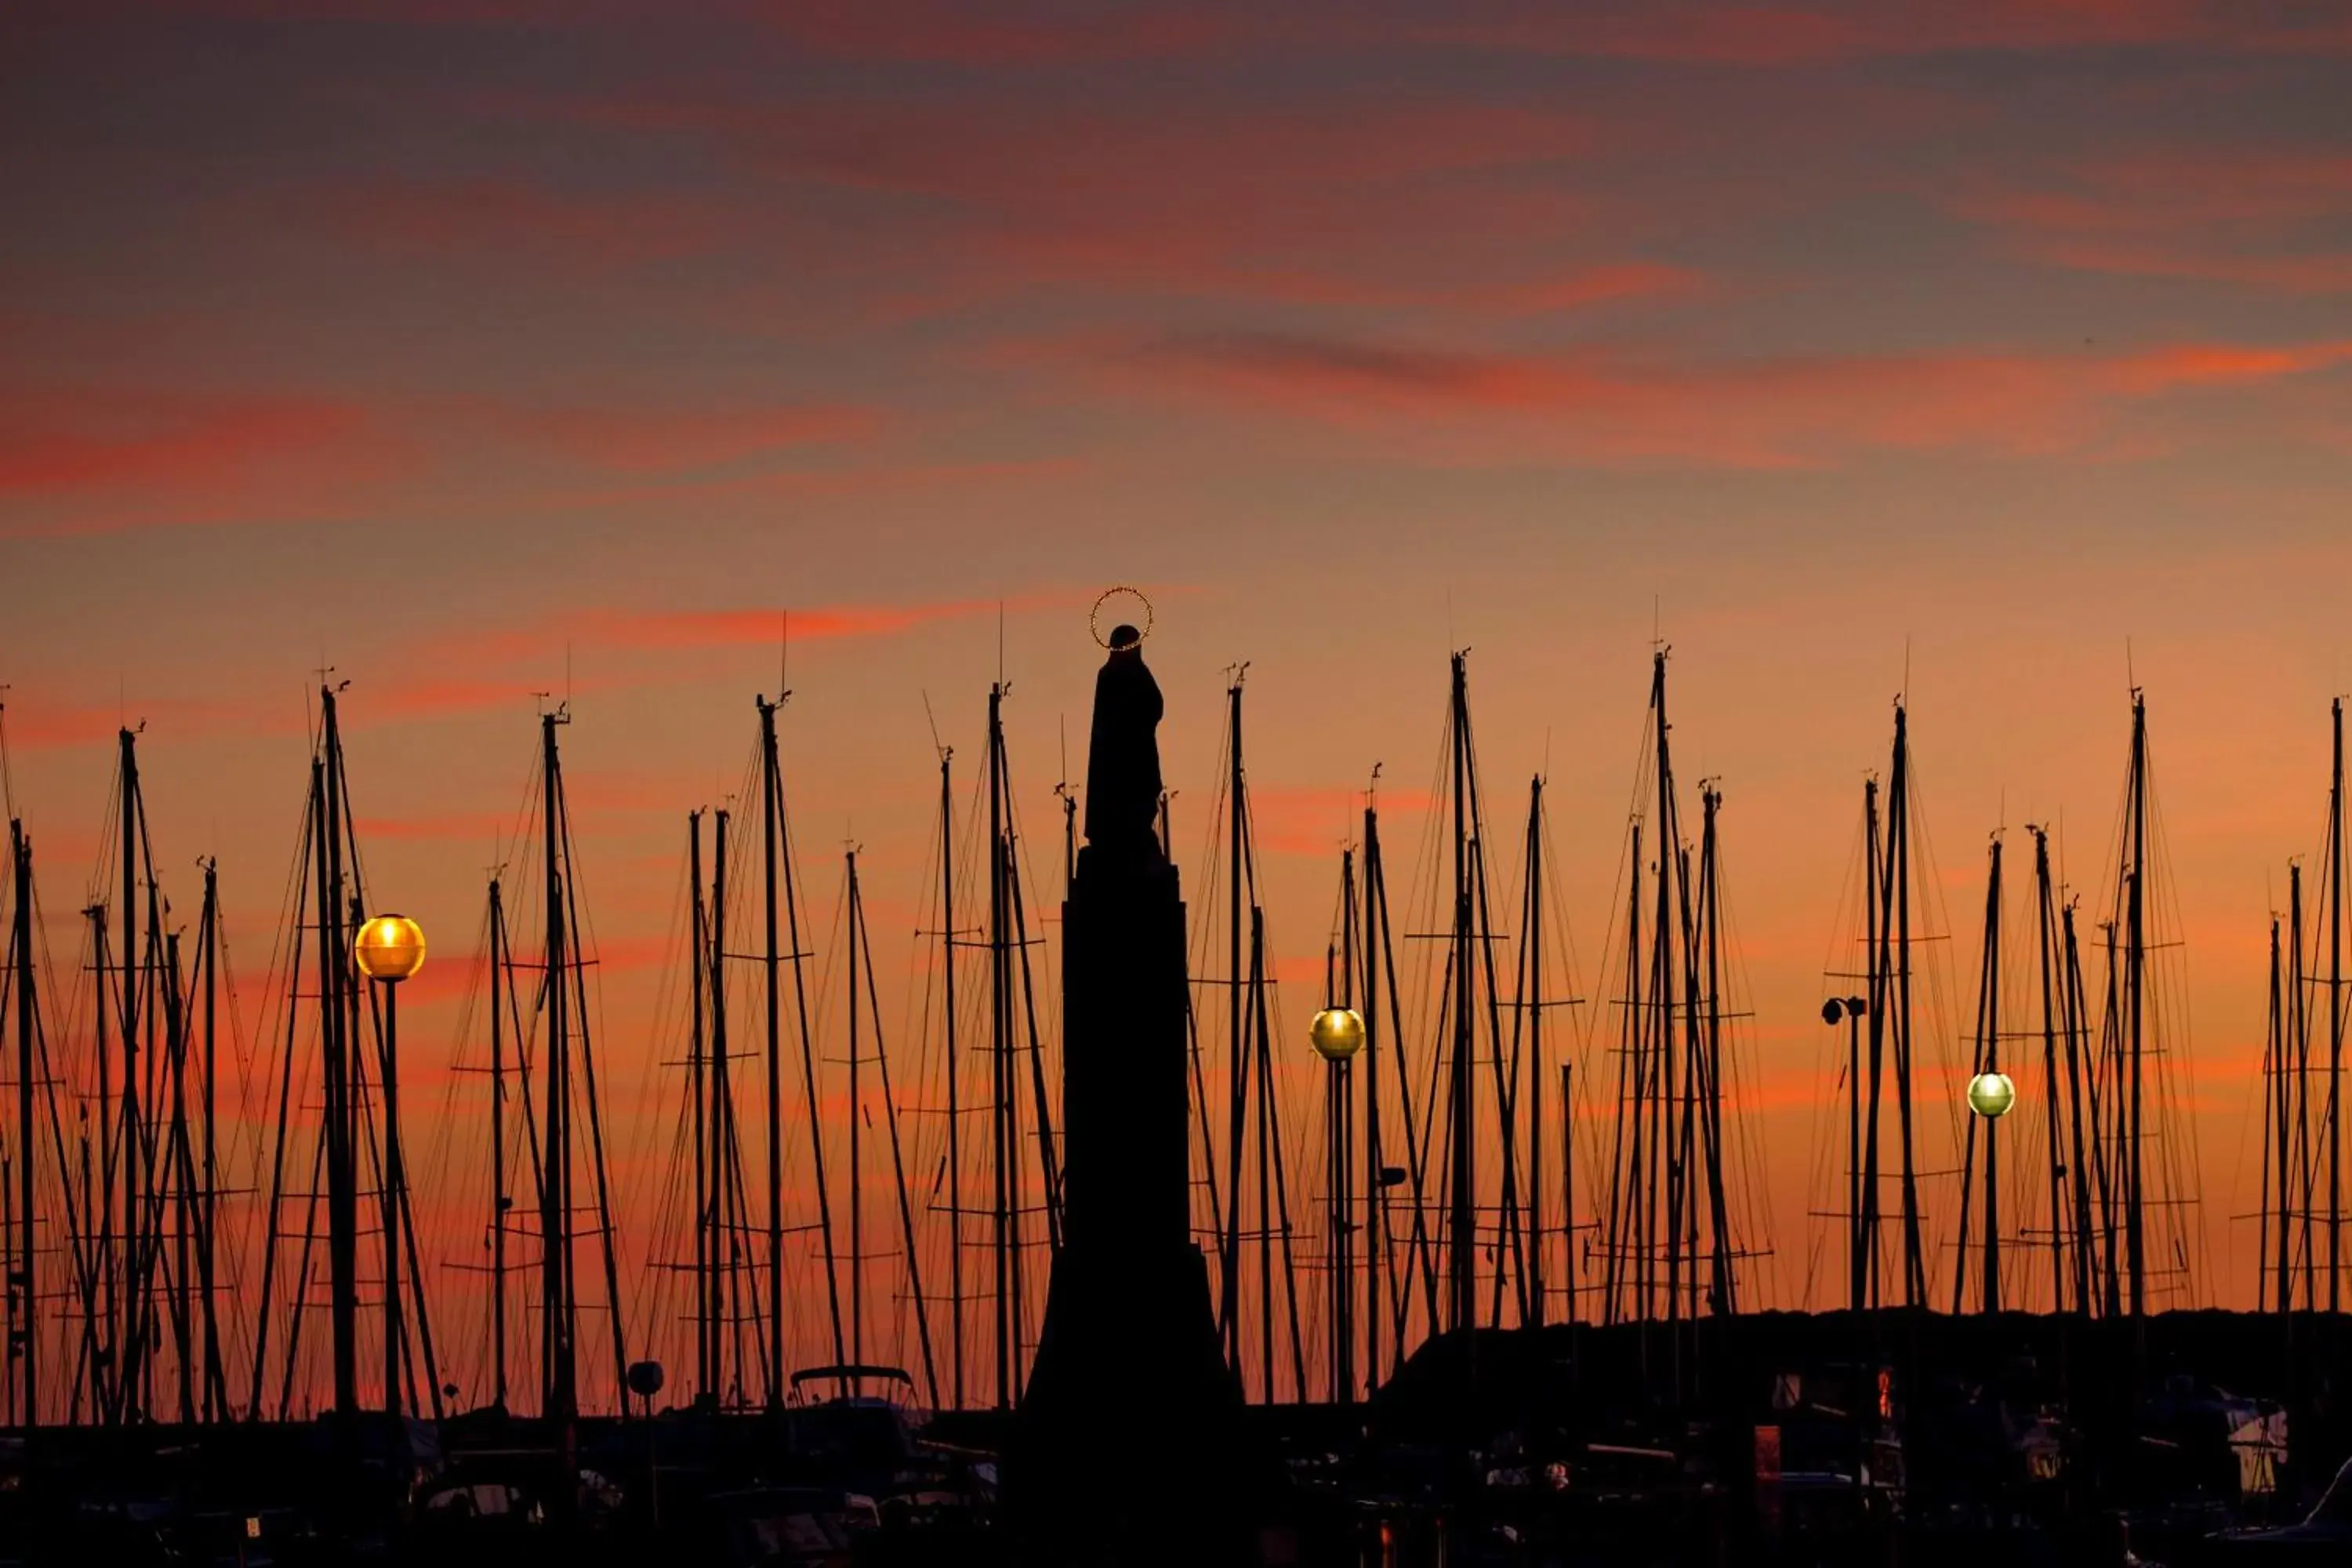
[{"x": 937, "y": 745}]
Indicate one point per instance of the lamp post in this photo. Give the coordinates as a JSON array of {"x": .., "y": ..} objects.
[
  {"x": 1338, "y": 1034},
  {"x": 1991, "y": 1095},
  {"x": 1859, "y": 1232},
  {"x": 388, "y": 950}
]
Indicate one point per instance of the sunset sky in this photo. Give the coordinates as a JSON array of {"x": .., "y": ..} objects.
[{"x": 1994, "y": 353}]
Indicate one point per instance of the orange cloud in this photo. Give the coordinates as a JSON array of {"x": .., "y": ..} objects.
[
  {"x": 461, "y": 825},
  {"x": 1577, "y": 288},
  {"x": 1610, "y": 405},
  {"x": 31, "y": 723},
  {"x": 1282, "y": 201},
  {"x": 445, "y": 677},
  {"x": 80, "y": 458},
  {"x": 744, "y": 629},
  {"x": 2262, "y": 218},
  {"x": 439, "y": 696},
  {"x": 1292, "y": 820}
]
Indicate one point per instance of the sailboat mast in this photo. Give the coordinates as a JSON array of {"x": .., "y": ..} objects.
[
  {"x": 24, "y": 1295},
  {"x": 1661, "y": 1202},
  {"x": 1722, "y": 1283},
  {"x": 2135, "y": 956},
  {"x": 1375, "y": 1220},
  {"x": 2335, "y": 1006},
  {"x": 775, "y": 1071},
  {"x": 129, "y": 974},
  {"x": 560, "y": 1397},
  {"x": 2052, "y": 1090},
  {"x": 1899, "y": 839},
  {"x": 499, "y": 973},
  {"x": 207, "y": 1256},
  {"x": 1462, "y": 1216},
  {"x": 725, "y": 1304},
  {"x": 1237, "y": 1041},
  {"x": 954, "y": 1071},
  {"x": 1567, "y": 1191},
  {"x": 1049, "y": 1164},
  {"x": 182, "y": 1285},
  {"x": 776, "y": 870},
  {"x": 336, "y": 1035},
  {"x": 1000, "y": 1044},
  {"x": 2298, "y": 1027},
  {"x": 856, "y": 1120},
  {"x": 101, "y": 1327},
  {"x": 1862, "y": 1168},
  {"x": 1263, "y": 1121},
  {"x": 2276, "y": 1112},
  {"x": 697, "y": 1106},
  {"x": 1532, "y": 1014},
  {"x": 1982, "y": 1059},
  {"x": 1339, "y": 990},
  {"x": 1991, "y": 1013},
  {"x": 616, "y": 1337}
]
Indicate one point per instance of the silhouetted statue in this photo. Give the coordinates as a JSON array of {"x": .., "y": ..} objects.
[
  {"x": 1123, "y": 757},
  {"x": 1130, "y": 1404}
]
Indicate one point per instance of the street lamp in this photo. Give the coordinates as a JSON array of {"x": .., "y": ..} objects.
[
  {"x": 1338, "y": 1034},
  {"x": 388, "y": 950},
  {"x": 1990, "y": 1094}
]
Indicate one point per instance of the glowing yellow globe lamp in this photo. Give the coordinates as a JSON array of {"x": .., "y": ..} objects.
[
  {"x": 389, "y": 948},
  {"x": 1990, "y": 1094},
  {"x": 1337, "y": 1033}
]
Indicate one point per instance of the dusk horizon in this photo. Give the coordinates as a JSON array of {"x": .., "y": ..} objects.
[{"x": 666, "y": 369}]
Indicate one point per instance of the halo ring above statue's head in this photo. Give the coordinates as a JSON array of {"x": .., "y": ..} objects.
[{"x": 1122, "y": 598}]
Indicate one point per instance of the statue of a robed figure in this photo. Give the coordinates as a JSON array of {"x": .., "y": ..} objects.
[{"x": 1128, "y": 1445}]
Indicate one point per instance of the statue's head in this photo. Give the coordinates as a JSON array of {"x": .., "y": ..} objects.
[{"x": 1125, "y": 638}]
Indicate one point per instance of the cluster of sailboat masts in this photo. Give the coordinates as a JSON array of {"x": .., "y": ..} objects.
[
  {"x": 2302, "y": 1134},
  {"x": 211, "y": 1218},
  {"x": 2106, "y": 1178}
]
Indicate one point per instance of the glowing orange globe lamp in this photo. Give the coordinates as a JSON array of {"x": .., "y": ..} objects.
[
  {"x": 1337, "y": 1033},
  {"x": 390, "y": 948}
]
